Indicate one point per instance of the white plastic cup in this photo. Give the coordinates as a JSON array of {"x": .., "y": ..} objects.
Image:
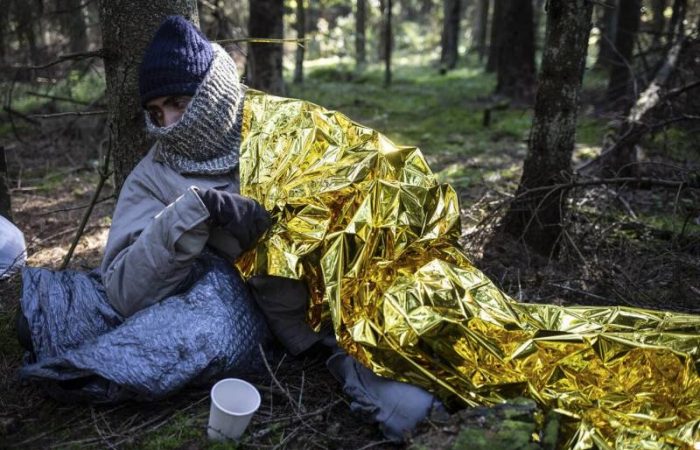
[{"x": 233, "y": 403}]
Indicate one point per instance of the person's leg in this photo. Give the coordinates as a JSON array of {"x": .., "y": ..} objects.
[{"x": 395, "y": 406}]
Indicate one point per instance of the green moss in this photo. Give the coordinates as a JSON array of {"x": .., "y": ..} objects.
[{"x": 180, "y": 430}]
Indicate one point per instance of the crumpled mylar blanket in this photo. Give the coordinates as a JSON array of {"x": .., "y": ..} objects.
[{"x": 374, "y": 234}]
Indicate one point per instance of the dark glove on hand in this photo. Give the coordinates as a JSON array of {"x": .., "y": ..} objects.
[{"x": 242, "y": 216}]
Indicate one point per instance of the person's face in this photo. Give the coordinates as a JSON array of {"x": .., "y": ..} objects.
[{"x": 165, "y": 111}]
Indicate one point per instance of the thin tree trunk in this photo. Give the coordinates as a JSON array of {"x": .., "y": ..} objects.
[
  {"x": 387, "y": 43},
  {"x": 72, "y": 20},
  {"x": 608, "y": 33},
  {"x": 450, "y": 34},
  {"x": 480, "y": 28},
  {"x": 5, "y": 198},
  {"x": 127, "y": 28},
  {"x": 658, "y": 21},
  {"x": 264, "y": 67},
  {"x": 360, "y": 23},
  {"x": 27, "y": 15},
  {"x": 301, "y": 34},
  {"x": 537, "y": 216},
  {"x": 619, "y": 158},
  {"x": 537, "y": 13},
  {"x": 4, "y": 28},
  {"x": 620, "y": 94},
  {"x": 676, "y": 27},
  {"x": 381, "y": 47},
  {"x": 496, "y": 35},
  {"x": 516, "y": 59}
]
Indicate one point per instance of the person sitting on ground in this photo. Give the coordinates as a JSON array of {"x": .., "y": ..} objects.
[{"x": 182, "y": 201}]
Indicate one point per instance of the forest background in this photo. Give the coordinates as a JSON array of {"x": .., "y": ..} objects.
[{"x": 568, "y": 132}]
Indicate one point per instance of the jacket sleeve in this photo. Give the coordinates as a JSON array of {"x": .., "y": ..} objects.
[{"x": 151, "y": 246}]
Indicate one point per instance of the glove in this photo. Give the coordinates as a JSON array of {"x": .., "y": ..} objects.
[{"x": 241, "y": 216}]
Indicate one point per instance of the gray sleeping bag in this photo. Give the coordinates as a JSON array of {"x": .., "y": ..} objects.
[{"x": 85, "y": 350}]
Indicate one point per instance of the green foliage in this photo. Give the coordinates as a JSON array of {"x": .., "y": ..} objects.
[
  {"x": 77, "y": 85},
  {"x": 179, "y": 430}
]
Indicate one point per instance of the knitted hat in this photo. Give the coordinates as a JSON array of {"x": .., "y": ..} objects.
[{"x": 175, "y": 62}]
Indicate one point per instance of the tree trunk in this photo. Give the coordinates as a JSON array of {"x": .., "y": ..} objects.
[
  {"x": 608, "y": 33},
  {"x": 676, "y": 27},
  {"x": 27, "y": 15},
  {"x": 658, "y": 21},
  {"x": 5, "y": 198},
  {"x": 381, "y": 47},
  {"x": 264, "y": 69},
  {"x": 72, "y": 21},
  {"x": 301, "y": 34},
  {"x": 538, "y": 12},
  {"x": 450, "y": 34},
  {"x": 620, "y": 94},
  {"x": 360, "y": 21},
  {"x": 536, "y": 216},
  {"x": 480, "y": 28},
  {"x": 127, "y": 28},
  {"x": 496, "y": 35},
  {"x": 4, "y": 29},
  {"x": 389, "y": 34},
  {"x": 516, "y": 57},
  {"x": 619, "y": 157}
]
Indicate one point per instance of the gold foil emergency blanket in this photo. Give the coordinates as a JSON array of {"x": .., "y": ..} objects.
[{"x": 373, "y": 233}]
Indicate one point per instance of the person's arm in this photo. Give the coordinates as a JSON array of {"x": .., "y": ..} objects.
[{"x": 151, "y": 246}]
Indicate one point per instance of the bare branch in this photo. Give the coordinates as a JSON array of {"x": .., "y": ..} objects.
[
  {"x": 62, "y": 99},
  {"x": 104, "y": 175},
  {"x": 67, "y": 57},
  {"x": 68, "y": 114}
]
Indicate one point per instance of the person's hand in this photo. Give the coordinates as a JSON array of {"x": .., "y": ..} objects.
[{"x": 242, "y": 216}]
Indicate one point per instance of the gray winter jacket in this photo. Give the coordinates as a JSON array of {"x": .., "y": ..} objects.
[{"x": 159, "y": 228}]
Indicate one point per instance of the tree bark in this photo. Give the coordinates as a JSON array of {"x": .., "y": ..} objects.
[
  {"x": 301, "y": 34},
  {"x": 516, "y": 56},
  {"x": 658, "y": 21},
  {"x": 619, "y": 157},
  {"x": 360, "y": 24},
  {"x": 608, "y": 33},
  {"x": 4, "y": 28},
  {"x": 620, "y": 94},
  {"x": 389, "y": 34},
  {"x": 496, "y": 35},
  {"x": 264, "y": 65},
  {"x": 27, "y": 15},
  {"x": 72, "y": 20},
  {"x": 382, "y": 38},
  {"x": 5, "y": 198},
  {"x": 480, "y": 28},
  {"x": 537, "y": 216},
  {"x": 676, "y": 27},
  {"x": 127, "y": 28},
  {"x": 450, "y": 34}
]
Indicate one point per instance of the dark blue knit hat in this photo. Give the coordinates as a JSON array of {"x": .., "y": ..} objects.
[{"x": 175, "y": 62}]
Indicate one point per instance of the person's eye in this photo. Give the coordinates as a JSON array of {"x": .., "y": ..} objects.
[{"x": 156, "y": 117}]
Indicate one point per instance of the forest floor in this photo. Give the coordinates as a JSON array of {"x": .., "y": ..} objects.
[{"x": 624, "y": 245}]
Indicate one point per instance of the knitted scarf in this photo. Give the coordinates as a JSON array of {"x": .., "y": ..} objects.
[{"x": 207, "y": 138}]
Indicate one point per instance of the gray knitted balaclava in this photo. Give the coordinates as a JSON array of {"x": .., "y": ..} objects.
[{"x": 207, "y": 138}]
